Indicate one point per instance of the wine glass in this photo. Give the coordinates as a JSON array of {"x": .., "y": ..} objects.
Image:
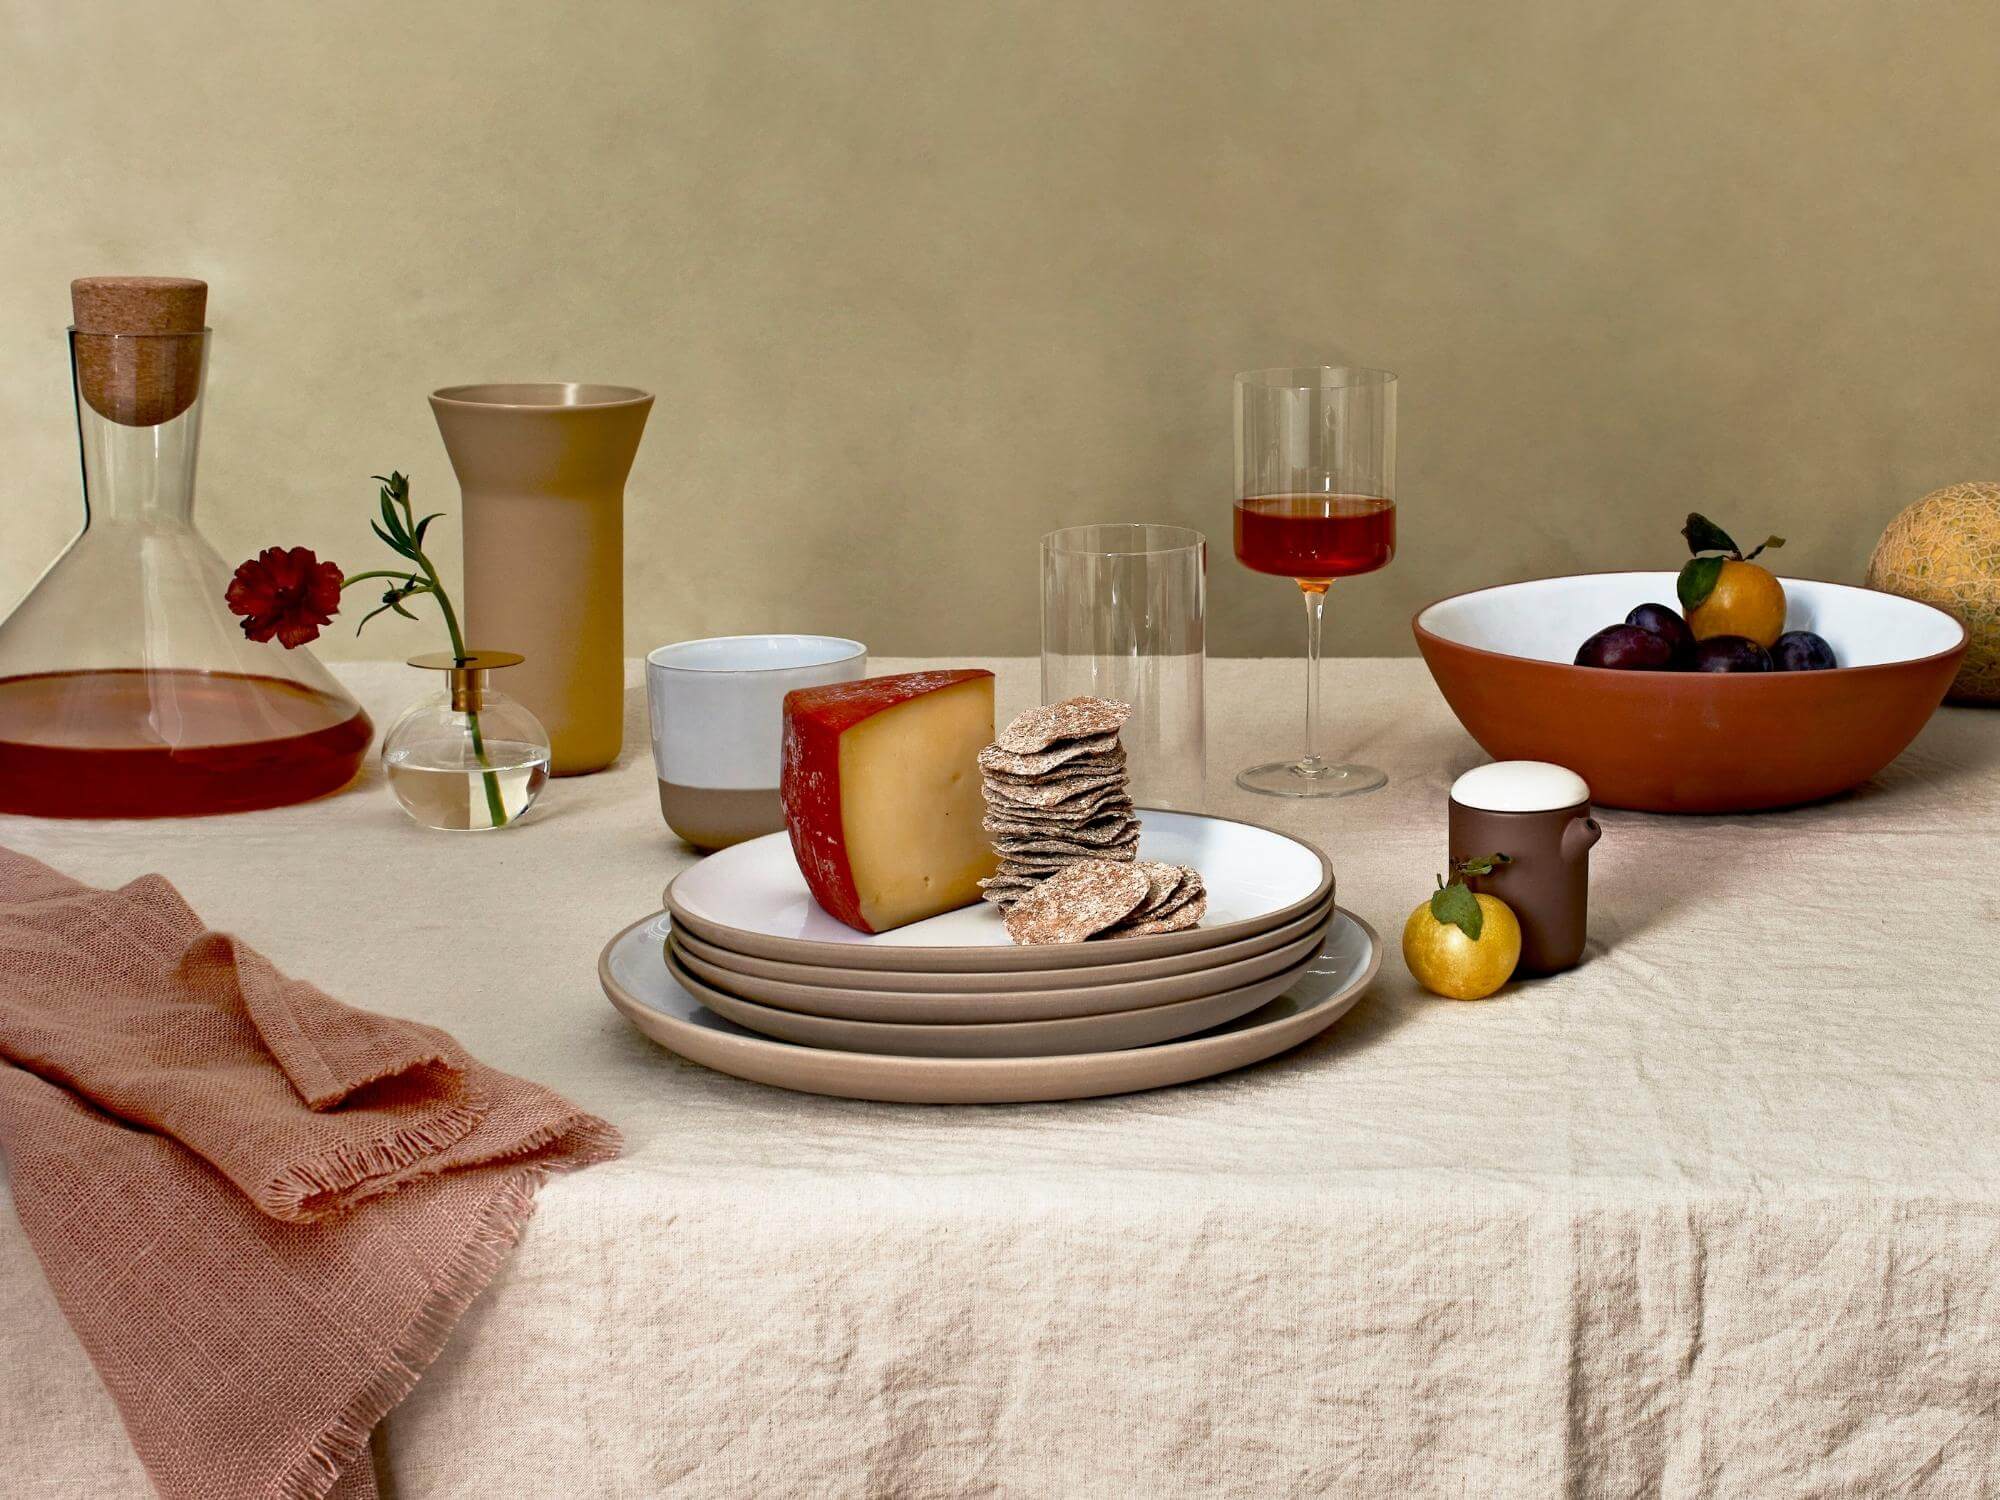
[{"x": 1315, "y": 501}]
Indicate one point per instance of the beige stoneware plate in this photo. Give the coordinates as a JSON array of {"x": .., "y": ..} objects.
[
  {"x": 751, "y": 899},
  {"x": 634, "y": 974},
  {"x": 1111, "y": 1032},
  {"x": 959, "y": 1007},
  {"x": 903, "y": 982}
]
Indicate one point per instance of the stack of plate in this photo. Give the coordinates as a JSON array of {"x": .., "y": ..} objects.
[{"x": 745, "y": 973}]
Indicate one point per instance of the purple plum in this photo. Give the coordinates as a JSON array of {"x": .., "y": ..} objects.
[
  {"x": 1802, "y": 651},
  {"x": 1730, "y": 653},
  {"x": 1625, "y": 648},
  {"x": 1667, "y": 624}
]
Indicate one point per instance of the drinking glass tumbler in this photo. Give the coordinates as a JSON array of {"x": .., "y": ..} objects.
[
  {"x": 1315, "y": 501},
  {"x": 1124, "y": 616}
]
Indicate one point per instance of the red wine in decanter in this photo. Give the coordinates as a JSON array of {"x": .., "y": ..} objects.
[
  {"x": 1315, "y": 538},
  {"x": 132, "y": 744}
]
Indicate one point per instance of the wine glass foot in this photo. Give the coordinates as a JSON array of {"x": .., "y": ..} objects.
[{"x": 1288, "y": 778}]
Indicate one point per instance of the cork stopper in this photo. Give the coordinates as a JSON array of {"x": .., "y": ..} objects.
[{"x": 138, "y": 342}]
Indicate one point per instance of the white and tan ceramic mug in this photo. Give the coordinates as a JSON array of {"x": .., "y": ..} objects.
[{"x": 717, "y": 709}]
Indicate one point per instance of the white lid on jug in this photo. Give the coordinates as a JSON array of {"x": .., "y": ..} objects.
[{"x": 1509, "y": 786}]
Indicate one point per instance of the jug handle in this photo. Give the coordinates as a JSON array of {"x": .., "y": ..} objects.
[{"x": 1579, "y": 836}]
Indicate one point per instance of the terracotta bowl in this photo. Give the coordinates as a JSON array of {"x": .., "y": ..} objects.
[{"x": 1693, "y": 742}]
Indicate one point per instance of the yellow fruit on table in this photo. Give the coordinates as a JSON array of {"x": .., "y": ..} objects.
[
  {"x": 1447, "y": 961},
  {"x": 1747, "y": 600},
  {"x": 1945, "y": 551}
]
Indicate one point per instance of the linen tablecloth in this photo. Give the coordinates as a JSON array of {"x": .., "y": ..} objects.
[{"x": 1718, "y": 1212}]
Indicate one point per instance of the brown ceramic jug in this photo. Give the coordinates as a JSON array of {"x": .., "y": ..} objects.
[
  {"x": 542, "y": 469},
  {"x": 1538, "y": 815}
]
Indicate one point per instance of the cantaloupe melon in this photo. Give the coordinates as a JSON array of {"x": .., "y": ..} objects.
[{"x": 1945, "y": 550}]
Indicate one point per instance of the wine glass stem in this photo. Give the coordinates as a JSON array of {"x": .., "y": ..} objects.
[{"x": 1315, "y": 595}]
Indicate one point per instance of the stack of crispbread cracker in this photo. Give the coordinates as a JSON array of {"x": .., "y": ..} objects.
[{"x": 1057, "y": 799}]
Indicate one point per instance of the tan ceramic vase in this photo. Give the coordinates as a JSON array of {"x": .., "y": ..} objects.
[{"x": 542, "y": 469}]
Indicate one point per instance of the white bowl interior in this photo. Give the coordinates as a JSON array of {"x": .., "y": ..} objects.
[{"x": 1548, "y": 618}]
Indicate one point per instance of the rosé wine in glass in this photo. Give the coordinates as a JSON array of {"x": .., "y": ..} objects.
[{"x": 1315, "y": 537}]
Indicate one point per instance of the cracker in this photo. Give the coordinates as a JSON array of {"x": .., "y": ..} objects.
[
  {"x": 1101, "y": 827},
  {"x": 1082, "y": 899},
  {"x": 1021, "y": 864},
  {"x": 1003, "y": 878},
  {"x": 1048, "y": 864},
  {"x": 1068, "y": 776},
  {"x": 1055, "y": 859},
  {"x": 1074, "y": 771},
  {"x": 1107, "y": 829},
  {"x": 1006, "y": 887},
  {"x": 1097, "y": 805},
  {"x": 1052, "y": 794},
  {"x": 1097, "y": 833},
  {"x": 1090, "y": 808},
  {"x": 1183, "y": 908},
  {"x": 1165, "y": 881},
  {"x": 1097, "y": 830},
  {"x": 1180, "y": 920},
  {"x": 1072, "y": 719},
  {"x": 1115, "y": 823},
  {"x": 1191, "y": 890},
  {"x": 1097, "y": 748},
  {"x": 1114, "y": 828},
  {"x": 1014, "y": 848},
  {"x": 1059, "y": 833},
  {"x": 1107, "y": 835}
]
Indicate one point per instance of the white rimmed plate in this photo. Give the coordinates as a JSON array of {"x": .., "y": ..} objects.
[{"x": 751, "y": 899}]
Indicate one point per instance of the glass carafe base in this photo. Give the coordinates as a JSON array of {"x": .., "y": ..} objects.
[{"x": 133, "y": 743}]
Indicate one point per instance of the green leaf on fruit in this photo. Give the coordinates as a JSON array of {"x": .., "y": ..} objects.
[
  {"x": 1455, "y": 904},
  {"x": 1697, "y": 580},
  {"x": 1703, "y": 535},
  {"x": 1482, "y": 864},
  {"x": 1769, "y": 541}
]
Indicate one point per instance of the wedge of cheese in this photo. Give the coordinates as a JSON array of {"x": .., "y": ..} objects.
[{"x": 882, "y": 794}]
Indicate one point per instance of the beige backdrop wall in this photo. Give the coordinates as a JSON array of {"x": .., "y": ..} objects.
[{"x": 915, "y": 282}]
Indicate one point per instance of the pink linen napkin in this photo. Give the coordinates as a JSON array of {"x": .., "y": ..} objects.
[{"x": 262, "y": 1211}]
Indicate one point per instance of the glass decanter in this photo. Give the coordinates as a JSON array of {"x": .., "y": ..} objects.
[{"x": 127, "y": 689}]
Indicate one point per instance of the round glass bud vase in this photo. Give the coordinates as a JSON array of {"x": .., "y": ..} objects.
[{"x": 466, "y": 757}]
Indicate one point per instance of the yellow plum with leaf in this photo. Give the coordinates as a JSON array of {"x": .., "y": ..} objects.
[
  {"x": 1461, "y": 945},
  {"x": 1725, "y": 593}
]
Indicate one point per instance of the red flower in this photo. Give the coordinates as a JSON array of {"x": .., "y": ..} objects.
[{"x": 285, "y": 593}]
